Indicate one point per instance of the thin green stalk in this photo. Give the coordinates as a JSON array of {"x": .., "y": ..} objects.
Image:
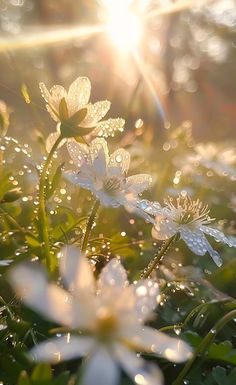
[
  {"x": 90, "y": 225},
  {"x": 42, "y": 209},
  {"x": 204, "y": 345},
  {"x": 157, "y": 258}
]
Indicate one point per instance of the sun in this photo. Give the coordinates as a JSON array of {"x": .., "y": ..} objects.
[{"x": 124, "y": 26}]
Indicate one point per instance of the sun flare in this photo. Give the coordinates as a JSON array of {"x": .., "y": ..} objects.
[{"x": 124, "y": 26}]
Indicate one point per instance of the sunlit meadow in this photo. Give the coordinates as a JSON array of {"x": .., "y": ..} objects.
[{"x": 117, "y": 192}]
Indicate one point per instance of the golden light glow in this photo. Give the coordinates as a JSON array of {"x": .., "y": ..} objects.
[{"x": 123, "y": 26}]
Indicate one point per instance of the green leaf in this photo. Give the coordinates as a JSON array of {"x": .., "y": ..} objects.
[
  {"x": 32, "y": 241},
  {"x": 23, "y": 378},
  {"x": 219, "y": 375},
  {"x": 193, "y": 338},
  {"x": 55, "y": 180},
  {"x": 62, "y": 379},
  {"x": 5, "y": 185},
  {"x": 66, "y": 221},
  {"x": 20, "y": 327},
  {"x": 222, "y": 352},
  {"x": 42, "y": 374},
  {"x": 232, "y": 377}
]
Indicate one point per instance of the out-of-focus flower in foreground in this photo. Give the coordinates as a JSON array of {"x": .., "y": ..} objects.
[
  {"x": 106, "y": 319},
  {"x": 189, "y": 219},
  {"x": 74, "y": 114},
  {"x": 106, "y": 175},
  {"x": 4, "y": 118}
]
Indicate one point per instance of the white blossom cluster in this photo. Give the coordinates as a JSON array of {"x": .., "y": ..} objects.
[{"x": 105, "y": 318}]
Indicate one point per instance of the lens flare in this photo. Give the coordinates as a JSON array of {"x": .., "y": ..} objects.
[
  {"x": 126, "y": 32},
  {"x": 124, "y": 26}
]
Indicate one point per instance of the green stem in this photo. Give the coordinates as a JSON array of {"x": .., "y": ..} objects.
[
  {"x": 90, "y": 225},
  {"x": 157, "y": 258},
  {"x": 204, "y": 344},
  {"x": 42, "y": 209}
]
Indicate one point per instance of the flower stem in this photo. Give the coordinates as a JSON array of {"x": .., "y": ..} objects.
[
  {"x": 157, "y": 258},
  {"x": 204, "y": 345},
  {"x": 42, "y": 209},
  {"x": 90, "y": 225}
]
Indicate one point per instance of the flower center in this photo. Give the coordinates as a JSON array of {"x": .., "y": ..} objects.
[
  {"x": 111, "y": 185},
  {"x": 188, "y": 211},
  {"x": 106, "y": 326}
]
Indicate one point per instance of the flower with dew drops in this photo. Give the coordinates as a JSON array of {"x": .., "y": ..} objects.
[
  {"x": 106, "y": 175},
  {"x": 75, "y": 115},
  {"x": 105, "y": 317},
  {"x": 190, "y": 220}
]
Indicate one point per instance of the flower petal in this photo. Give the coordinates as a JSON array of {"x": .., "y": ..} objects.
[
  {"x": 164, "y": 228},
  {"x": 147, "y": 297},
  {"x": 101, "y": 369},
  {"x": 82, "y": 178},
  {"x": 62, "y": 348},
  {"x": 53, "y": 99},
  {"x": 151, "y": 340},
  {"x": 136, "y": 208},
  {"x": 137, "y": 369},
  {"x": 120, "y": 158},
  {"x": 78, "y": 94},
  {"x": 44, "y": 91},
  {"x": 48, "y": 299},
  {"x": 113, "y": 274},
  {"x": 138, "y": 183},
  {"x": 106, "y": 200},
  {"x": 76, "y": 270},
  {"x": 77, "y": 151},
  {"x": 214, "y": 254},
  {"x": 151, "y": 208},
  {"x": 99, "y": 155},
  {"x": 57, "y": 92},
  {"x": 218, "y": 235},
  {"x": 198, "y": 243},
  {"x": 109, "y": 127},
  {"x": 95, "y": 112},
  {"x": 51, "y": 140}
]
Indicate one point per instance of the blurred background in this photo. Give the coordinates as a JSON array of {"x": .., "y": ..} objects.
[{"x": 160, "y": 61}]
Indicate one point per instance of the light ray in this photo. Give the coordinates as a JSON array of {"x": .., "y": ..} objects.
[
  {"x": 33, "y": 38},
  {"x": 177, "y": 7},
  {"x": 144, "y": 72}
]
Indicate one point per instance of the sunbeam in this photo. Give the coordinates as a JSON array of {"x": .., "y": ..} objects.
[{"x": 32, "y": 38}]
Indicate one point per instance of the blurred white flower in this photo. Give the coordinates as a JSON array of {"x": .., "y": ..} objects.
[
  {"x": 106, "y": 319},
  {"x": 189, "y": 219},
  {"x": 106, "y": 175},
  {"x": 213, "y": 157},
  {"x": 75, "y": 115}
]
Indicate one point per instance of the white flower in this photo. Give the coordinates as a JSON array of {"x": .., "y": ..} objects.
[
  {"x": 106, "y": 175},
  {"x": 75, "y": 115},
  {"x": 213, "y": 157},
  {"x": 106, "y": 319},
  {"x": 189, "y": 219}
]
